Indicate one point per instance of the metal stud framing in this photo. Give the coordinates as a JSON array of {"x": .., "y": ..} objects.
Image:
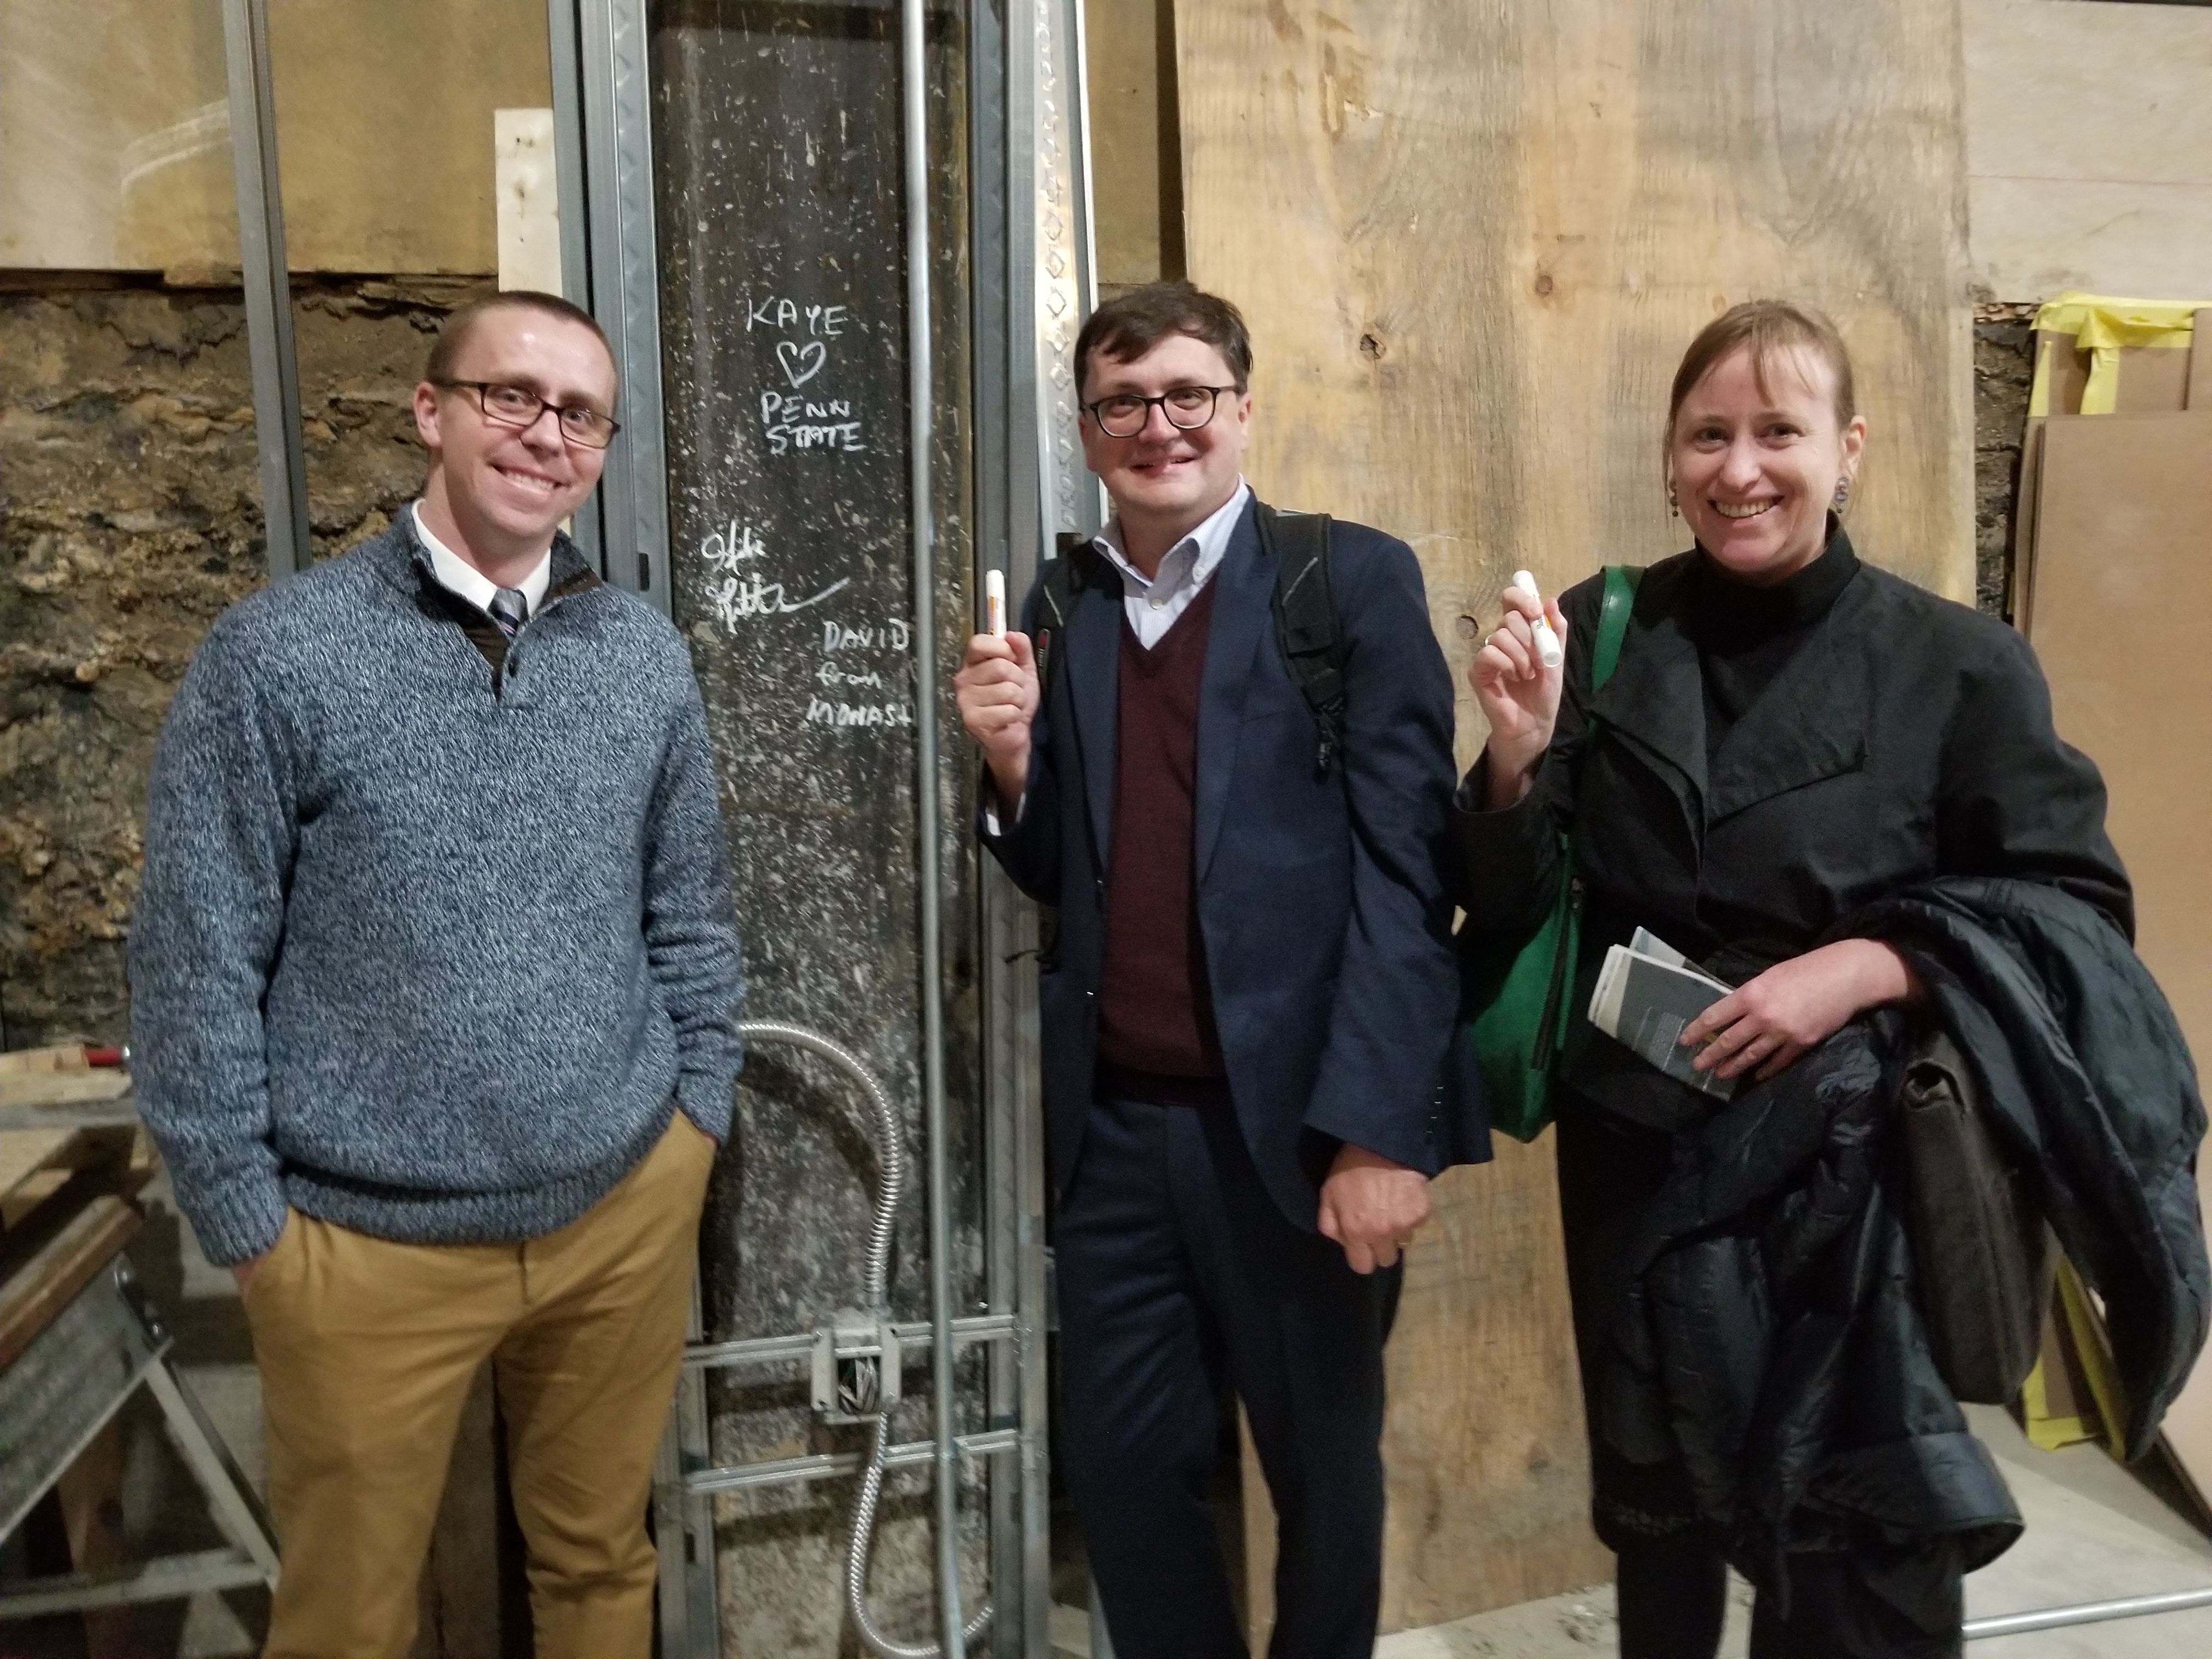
[
  {"x": 609, "y": 265},
  {"x": 266, "y": 277}
]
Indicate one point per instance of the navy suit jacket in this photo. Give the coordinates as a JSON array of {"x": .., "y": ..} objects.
[{"x": 1321, "y": 897}]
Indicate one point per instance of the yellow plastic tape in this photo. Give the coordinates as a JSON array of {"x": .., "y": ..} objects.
[
  {"x": 2046, "y": 1433},
  {"x": 2101, "y": 326},
  {"x": 2084, "y": 1325}
]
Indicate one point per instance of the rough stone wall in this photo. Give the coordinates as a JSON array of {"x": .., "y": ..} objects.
[
  {"x": 130, "y": 517},
  {"x": 2004, "y": 366}
]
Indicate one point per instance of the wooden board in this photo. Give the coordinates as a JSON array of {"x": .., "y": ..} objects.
[
  {"x": 529, "y": 200},
  {"x": 2198, "y": 392},
  {"x": 86, "y": 1086},
  {"x": 2088, "y": 146},
  {"x": 24, "y": 1152},
  {"x": 117, "y": 138},
  {"x": 36, "y": 1290},
  {"x": 1472, "y": 242},
  {"x": 1136, "y": 177},
  {"x": 41, "y": 1062},
  {"x": 2148, "y": 381},
  {"x": 2124, "y": 545}
]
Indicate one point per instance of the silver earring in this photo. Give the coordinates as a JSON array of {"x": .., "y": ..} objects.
[
  {"x": 1843, "y": 495},
  {"x": 1674, "y": 507}
]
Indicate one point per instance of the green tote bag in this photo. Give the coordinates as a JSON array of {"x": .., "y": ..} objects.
[{"x": 1513, "y": 997}]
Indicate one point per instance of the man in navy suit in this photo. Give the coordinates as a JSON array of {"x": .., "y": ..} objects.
[{"x": 1248, "y": 1003}]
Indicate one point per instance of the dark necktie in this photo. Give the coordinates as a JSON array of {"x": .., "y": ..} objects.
[{"x": 509, "y": 610}]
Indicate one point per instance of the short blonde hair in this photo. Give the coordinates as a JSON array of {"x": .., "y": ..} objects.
[{"x": 1766, "y": 329}]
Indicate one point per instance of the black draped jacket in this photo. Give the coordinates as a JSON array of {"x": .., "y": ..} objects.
[
  {"x": 1763, "y": 772},
  {"x": 1902, "y": 737}
]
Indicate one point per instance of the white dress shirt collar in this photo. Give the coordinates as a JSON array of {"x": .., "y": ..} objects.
[
  {"x": 1203, "y": 548},
  {"x": 1154, "y": 604},
  {"x": 457, "y": 575}
]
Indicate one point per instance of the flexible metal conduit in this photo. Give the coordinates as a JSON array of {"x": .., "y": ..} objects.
[{"x": 876, "y": 1273}]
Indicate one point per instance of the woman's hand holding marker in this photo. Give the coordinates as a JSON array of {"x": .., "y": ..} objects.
[
  {"x": 1547, "y": 643},
  {"x": 1516, "y": 677}
]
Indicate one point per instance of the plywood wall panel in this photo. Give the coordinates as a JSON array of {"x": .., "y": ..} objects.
[
  {"x": 2089, "y": 148},
  {"x": 115, "y": 149},
  {"x": 1472, "y": 237}
]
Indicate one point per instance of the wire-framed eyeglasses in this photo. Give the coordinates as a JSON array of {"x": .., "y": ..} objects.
[
  {"x": 1187, "y": 408},
  {"x": 519, "y": 406}
]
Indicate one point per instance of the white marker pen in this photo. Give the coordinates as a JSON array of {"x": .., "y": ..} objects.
[
  {"x": 1547, "y": 642},
  {"x": 995, "y": 603}
]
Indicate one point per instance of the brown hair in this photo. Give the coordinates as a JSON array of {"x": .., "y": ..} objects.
[
  {"x": 1129, "y": 324},
  {"x": 446, "y": 353},
  {"x": 1766, "y": 329}
]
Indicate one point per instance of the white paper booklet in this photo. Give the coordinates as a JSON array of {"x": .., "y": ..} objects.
[{"x": 1646, "y": 994}]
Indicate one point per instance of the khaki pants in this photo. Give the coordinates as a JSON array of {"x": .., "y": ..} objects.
[{"x": 367, "y": 1349}]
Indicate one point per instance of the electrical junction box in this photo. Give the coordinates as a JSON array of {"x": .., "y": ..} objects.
[{"x": 857, "y": 1363}]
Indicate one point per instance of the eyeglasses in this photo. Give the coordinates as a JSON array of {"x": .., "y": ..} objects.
[
  {"x": 1187, "y": 407},
  {"x": 519, "y": 406}
]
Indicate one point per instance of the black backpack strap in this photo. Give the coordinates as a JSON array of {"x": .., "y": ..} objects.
[
  {"x": 1065, "y": 578},
  {"x": 1305, "y": 617}
]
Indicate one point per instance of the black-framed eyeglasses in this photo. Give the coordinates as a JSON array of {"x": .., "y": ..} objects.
[
  {"x": 1187, "y": 407},
  {"x": 519, "y": 406}
]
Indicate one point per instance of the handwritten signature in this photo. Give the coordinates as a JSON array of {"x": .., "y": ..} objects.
[{"x": 742, "y": 596}]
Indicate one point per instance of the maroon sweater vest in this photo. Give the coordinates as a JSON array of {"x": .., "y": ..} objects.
[{"x": 1157, "y": 1039}]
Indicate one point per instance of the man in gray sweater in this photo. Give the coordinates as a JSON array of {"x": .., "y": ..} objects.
[{"x": 435, "y": 996}]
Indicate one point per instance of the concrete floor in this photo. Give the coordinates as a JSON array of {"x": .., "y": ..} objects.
[{"x": 2094, "y": 1531}]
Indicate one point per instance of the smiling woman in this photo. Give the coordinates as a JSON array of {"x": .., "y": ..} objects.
[
  {"x": 1763, "y": 438},
  {"x": 1791, "y": 740}
]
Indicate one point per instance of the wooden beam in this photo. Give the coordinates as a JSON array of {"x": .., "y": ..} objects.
[{"x": 38, "y": 1287}]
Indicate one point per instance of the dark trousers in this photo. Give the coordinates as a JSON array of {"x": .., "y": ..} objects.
[
  {"x": 1177, "y": 1271},
  {"x": 1673, "y": 1594}
]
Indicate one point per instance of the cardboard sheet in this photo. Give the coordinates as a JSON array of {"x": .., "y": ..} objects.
[
  {"x": 2122, "y": 609},
  {"x": 2153, "y": 368}
]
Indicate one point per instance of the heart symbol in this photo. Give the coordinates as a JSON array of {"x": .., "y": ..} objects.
[{"x": 801, "y": 363}]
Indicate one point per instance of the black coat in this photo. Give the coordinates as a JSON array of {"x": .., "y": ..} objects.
[
  {"x": 1752, "y": 1359},
  {"x": 1908, "y": 738},
  {"x": 1770, "y": 1344}
]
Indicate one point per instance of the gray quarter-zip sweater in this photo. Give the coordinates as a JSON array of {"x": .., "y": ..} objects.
[{"x": 430, "y": 931}]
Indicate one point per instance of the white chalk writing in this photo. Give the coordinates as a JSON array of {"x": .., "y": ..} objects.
[
  {"x": 784, "y": 436},
  {"x": 840, "y": 673},
  {"x": 726, "y": 549},
  {"x": 820, "y": 711},
  {"x": 801, "y": 363},
  {"x": 790, "y": 425},
  {"x": 786, "y": 315},
  {"x": 891, "y": 635},
  {"x": 741, "y": 597}
]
